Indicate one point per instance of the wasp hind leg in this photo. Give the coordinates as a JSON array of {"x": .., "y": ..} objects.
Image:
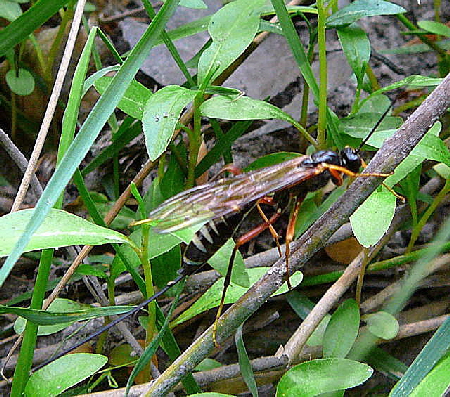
[{"x": 241, "y": 241}]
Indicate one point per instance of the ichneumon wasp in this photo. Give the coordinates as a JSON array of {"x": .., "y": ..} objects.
[{"x": 223, "y": 204}]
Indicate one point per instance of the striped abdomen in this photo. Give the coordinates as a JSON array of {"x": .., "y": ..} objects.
[{"x": 209, "y": 239}]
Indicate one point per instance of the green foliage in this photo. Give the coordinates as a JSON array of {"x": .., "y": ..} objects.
[
  {"x": 66, "y": 372},
  {"x": 59, "y": 229},
  {"x": 163, "y": 118},
  {"x": 322, "y": 376}
]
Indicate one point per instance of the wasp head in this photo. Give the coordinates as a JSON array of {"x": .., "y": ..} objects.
[{"x": 350, "y": 159}]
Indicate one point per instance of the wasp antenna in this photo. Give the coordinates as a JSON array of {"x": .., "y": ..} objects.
[{"x": 375, "y": 126}]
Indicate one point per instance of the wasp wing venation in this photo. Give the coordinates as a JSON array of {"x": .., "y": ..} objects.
[{"x": 224, "y": 196}]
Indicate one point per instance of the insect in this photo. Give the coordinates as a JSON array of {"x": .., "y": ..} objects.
[{"x": 224, "y": 203}]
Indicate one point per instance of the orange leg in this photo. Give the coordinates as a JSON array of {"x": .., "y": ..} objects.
[{"x": 290, "y": 233}]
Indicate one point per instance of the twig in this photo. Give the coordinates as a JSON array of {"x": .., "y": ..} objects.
[
  {"x": 53, "y": 101},
  {"x": 19, "y": 159}
]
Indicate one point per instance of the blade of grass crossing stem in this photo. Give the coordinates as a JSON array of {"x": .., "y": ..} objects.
[
  {"x": 433, "y": 351},
  {"x": 90, "y": 129},
  {"x": 19, "y": 30},
  {"x": 244, "y": 363},
  {"x": 171, "y": 348}
]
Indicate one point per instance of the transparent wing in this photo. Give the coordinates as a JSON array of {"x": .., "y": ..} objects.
[{"x": 224, "y": 196}]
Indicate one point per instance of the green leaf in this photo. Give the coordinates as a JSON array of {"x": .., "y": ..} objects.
[
  {"x": 232, "y": 29},
  {"x": 316, "y": 338},
  {"x": 322, "y": 376},
  {"x": 360, "y": 9},
  {"x": 342, "y": 330},
  {"x": 90, "y": 129},
  {"x": 160, "y": 117},
  {"x": 211, "y": 298},
  {"x": 59, "y": 229},
  {"x": 159, "y": 243},
  {"x": 20, "y": 81},
  {"x": 134, "y": 99},
  {"x": 207, "y": 364},
  {"x": 211, "y": 394},
  {"x": 356, "y": 46},
  {"x": 220, "y": 260},
  {"x": 382, "y": 324},
  {"x": 435, "y": 27},
  {"x": 197, "y": 4},
  {"x": 10, "y": 10},
  {"x": 242, "y": 108},
  {"x": 244, "y": 363},
  {"x": 429, "y": 147},
  {"x": 59, "y": 305},
  {"x": 63, "y": 373},
  {"x": 436, "y": 349},
  {"x": 436, "y": 382},
  {"x": 271, "y": 159},
  {"x": 371, "y": 220},
  {"x": 42, "y": 317},
  {"x": 28, "y": 22}
]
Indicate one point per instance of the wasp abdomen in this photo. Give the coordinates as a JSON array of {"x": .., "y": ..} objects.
[{"x": 208, "y": 240}]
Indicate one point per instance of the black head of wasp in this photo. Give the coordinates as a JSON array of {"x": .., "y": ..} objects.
[{"x": 221, "y": 206}]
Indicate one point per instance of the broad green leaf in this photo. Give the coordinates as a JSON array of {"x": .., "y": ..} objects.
[
  {"x": 63, "y": 373},
  {"x": 165, "y": 267},
  {"x": 361, "y": 124},
  {"x": 382, "y": 324},
  {"x": 160, "y": 117},
  {"x": 271, "y": 159},
  {"x": 321, "y": 376},
  {"x": 220, "y": 260},
  {"x": 415, "y": 81},
  {"x": 435, "y": 27},
  {"x": 371, "y": 220},
  {"x": 211, "y": 298},
  {"x": 10, "y": 10},
  {"x": 316, "y": 338},
  {"x": 356, "y": 46},
  {"x": 197, "y": 4},
  {"x": 207, "y": 364},
  {"x": 342, "y": 330},
  {"x": 443, "y": 170},
  {"x": 59, "y": 229},
  {"x": 20, "y": 81},
  {"x": 360, "y": 9},
  {"x": 232, "y": 29},
  {"x": 159, "y": 243},
  {"x": 134, "y": 99},
  {"x": 59, "y": 305},
  {"x": 430, "y": 147},
  {"x": 242, "y": 108}
]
